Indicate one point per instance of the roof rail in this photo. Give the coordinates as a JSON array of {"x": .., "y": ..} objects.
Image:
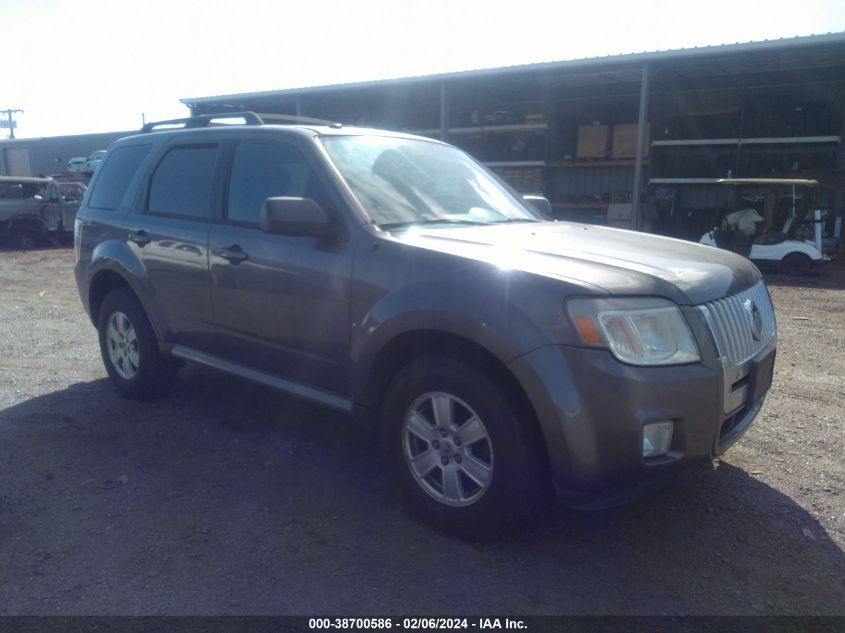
[
  {"x": 250, "y": 118},
  {"x": 290, "y": 118},
  {"x": 203, "y": 120}
]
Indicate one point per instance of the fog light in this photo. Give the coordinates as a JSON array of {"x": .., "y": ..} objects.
[{"x": 657, "y": 437}]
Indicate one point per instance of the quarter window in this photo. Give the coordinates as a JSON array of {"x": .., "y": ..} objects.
[
  {"x": 181, "y": 184},
  {"x": 115, "y": 174},
  {"x": 265, "y": 170}
]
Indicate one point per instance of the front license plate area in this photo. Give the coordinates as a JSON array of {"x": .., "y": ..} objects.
[{"x": 760, "y": 377}]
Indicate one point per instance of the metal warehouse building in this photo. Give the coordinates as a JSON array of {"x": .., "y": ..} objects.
[
  {"x": 46, "y": 156},
  {"x": 639, "y": 138},
  {"x": 651, "y": 131}
]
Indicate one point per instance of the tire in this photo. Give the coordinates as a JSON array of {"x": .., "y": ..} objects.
[
  {"x": 130, "y": 350},
  {"x": 796, "y": 264},
  {"x": 476, "y": 489},
  {"x": 26, "y": 241}
]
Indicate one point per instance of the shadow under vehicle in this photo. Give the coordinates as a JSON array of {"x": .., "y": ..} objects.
[
  {"x": 788, "y": 240},
  {"x": 33, "y": 209},
  {"x": 235, "y": 490}
]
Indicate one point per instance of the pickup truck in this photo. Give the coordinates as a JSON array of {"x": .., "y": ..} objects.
[{"x": 32, "y": 209}]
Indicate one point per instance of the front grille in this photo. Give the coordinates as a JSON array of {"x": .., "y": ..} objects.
[{"x": 733, "y": 327}]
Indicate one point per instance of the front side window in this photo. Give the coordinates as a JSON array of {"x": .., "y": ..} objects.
[
  {"x": 181, "y": 184},
  {"x": 402, "y": 183},
  {"x": 115, "y": 174},
  {"x": 11, "y": 191},
  {"x": 267, "y": 170}
]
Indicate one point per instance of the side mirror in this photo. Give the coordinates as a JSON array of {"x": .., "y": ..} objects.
[
  {"x": 294, "y": 216},
  {"x": 540, "y": 204}
]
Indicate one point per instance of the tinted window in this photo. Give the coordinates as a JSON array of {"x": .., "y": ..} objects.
[
  {"x": 181, "y": 184},
  {"x": 263, "y": 170},
  {"x": 115, "y": 174}
]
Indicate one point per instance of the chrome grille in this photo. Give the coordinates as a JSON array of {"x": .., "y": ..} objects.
[{"x": 733, "y": 323}]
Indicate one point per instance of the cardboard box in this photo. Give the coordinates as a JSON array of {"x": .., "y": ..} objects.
[
  {"x": 619, "y": 215},
  {"x": 593, "y": 141},
  {"x": 625, "y": 140}
]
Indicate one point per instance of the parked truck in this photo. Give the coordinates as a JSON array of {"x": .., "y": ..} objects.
[{"x": 37, "y": 209}]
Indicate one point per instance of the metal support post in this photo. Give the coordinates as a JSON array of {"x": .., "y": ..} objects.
[
  {"x": 641, "y": 140},
  {"x": 444, "y": 113}
]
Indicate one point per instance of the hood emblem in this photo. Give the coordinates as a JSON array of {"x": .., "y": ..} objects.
[{"x": 756, "y": 319}]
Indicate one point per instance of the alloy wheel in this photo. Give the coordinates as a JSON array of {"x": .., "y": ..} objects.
[
  {"x": 122, "y": 345},
  {"x": 447, "y": 449}
]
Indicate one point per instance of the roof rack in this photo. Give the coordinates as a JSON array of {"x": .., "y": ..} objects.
[
  {"x": 799, "y": 182},
  {"x": 250, "y": 118},
  {"x": 294, "y": 119}
]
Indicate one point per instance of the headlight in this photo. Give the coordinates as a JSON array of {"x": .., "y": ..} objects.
[{"x": 654, "y": 334}]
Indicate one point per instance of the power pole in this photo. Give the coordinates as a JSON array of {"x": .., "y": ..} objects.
[{"x": 10, "y": 120}]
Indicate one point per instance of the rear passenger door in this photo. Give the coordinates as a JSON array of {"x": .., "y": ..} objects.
[
  {"x": 282, "y": 306},
  {"x": 169, "y": 234}
]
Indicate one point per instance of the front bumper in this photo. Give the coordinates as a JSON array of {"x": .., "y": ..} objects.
[{"x": 592, "y": 410}]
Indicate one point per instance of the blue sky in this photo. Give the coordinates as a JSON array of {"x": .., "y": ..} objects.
[{"x": 88, "y": 65}]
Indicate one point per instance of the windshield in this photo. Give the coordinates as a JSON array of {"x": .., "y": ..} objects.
[{"x": 405, "y": 182}]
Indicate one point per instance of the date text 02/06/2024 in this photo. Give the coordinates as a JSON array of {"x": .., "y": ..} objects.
[{"x": 415, "y": 623}]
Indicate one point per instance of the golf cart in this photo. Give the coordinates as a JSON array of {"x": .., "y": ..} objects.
[{"x": 779, "y": 237}]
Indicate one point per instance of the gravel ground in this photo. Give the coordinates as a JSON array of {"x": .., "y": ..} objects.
[{"x": 227, "y": 498}]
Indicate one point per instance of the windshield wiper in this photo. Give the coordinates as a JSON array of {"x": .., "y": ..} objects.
[
  {"x": 409, "y": 224},
  {"x": 512, "y": 220}
]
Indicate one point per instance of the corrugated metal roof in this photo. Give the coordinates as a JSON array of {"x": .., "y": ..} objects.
[{"x": 803, "y": 42}]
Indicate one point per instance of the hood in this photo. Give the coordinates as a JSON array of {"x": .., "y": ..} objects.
[{"x": 615, "y": 261}]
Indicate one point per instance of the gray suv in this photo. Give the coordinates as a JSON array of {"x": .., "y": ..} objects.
[{"x": 395, "y": 279}]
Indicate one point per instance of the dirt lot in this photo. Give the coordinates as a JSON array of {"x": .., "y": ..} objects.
[{"x": 230, "y": 498}]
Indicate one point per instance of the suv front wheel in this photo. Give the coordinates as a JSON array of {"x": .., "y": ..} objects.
[
  {"x": 129, "y": 348},
  {"x": 459, "y": 450}
]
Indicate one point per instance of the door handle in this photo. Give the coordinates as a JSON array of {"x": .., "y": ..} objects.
[
  {"x": 234, "y": 254},
  {"x": 140, "y": 237}
]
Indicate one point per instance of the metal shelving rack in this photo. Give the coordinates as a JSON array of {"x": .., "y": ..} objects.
[{"x": 774, "y": 140}]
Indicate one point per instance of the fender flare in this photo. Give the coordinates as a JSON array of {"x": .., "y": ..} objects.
[{"x": 116, "y": 257}]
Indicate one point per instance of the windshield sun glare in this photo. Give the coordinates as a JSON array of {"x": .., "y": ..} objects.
[{"x": 403, "y": 182}]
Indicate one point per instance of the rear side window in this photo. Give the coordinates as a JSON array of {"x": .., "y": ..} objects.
[
  {"x": 265, "y": 170},
  {"x": 115, "y": 174},
  {"x": 181, "y": 184}
]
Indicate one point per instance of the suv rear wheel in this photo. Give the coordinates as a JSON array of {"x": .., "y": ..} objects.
[
  {"x": 461, "y": 455},
  {"x": 129, "y": 348}
]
